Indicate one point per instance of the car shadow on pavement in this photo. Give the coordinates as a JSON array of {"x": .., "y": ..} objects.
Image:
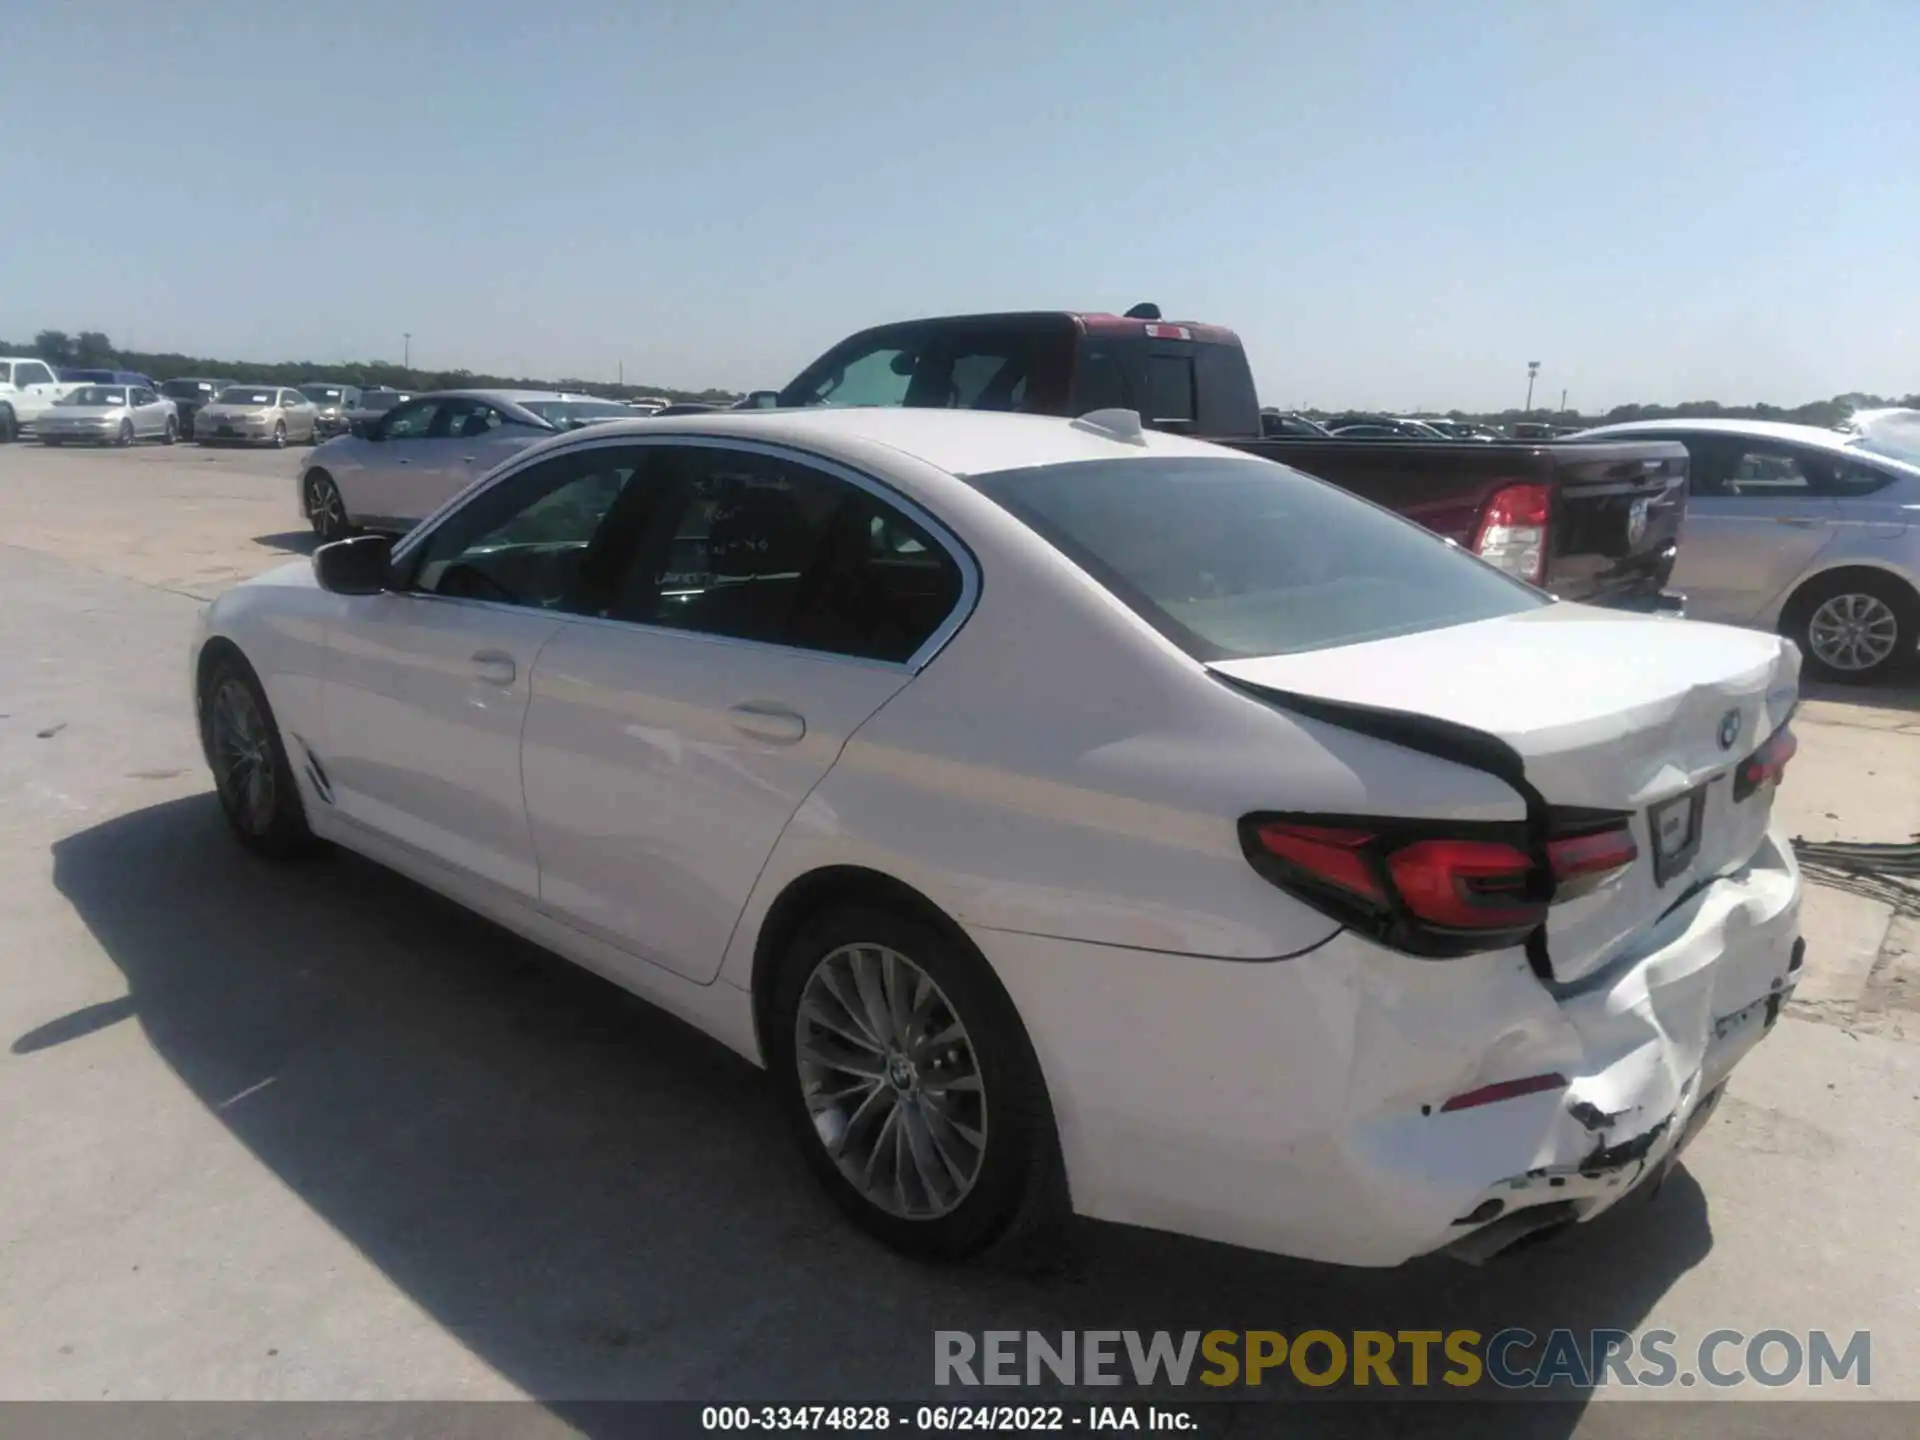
[
  {"x": 293, "y": 542},
  {"x": 599, "y": 1202}
]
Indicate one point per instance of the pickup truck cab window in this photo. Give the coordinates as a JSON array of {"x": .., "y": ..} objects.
[{"x": 31, "y": 373}]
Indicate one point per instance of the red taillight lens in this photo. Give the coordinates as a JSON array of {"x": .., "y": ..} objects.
[
  {"x": 1466, "y": 884},
  {"x": 1581, "y": 863},
  {"x": 1513, "y": 531},
  {"x": 1331, "y": 856},
  {"x": 1766, "y": 765}
]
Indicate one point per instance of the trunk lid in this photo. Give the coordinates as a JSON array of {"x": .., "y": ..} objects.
[{"x": 1602, "y": 710}]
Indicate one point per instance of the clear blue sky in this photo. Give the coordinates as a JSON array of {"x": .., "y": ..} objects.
[{"x": 1396, "y": 204}]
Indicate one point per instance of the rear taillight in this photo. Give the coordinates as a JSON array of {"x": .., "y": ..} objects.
[
  {"x": 1583, "y": 862},
  {"x": 1513, "y": 531},
  {"x": 1766, "y": 765},
  {"x": 1429, "y": 888}
]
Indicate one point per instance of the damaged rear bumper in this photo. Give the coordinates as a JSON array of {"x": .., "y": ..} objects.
[{"x": 1298, "y": 1105}]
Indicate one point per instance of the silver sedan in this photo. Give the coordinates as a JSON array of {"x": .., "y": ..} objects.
[
  {"x": 109, "y": 415},
  {"x": 396, "y": 469},
  {"x": 1801, "y": 530},
  {"x": 258, "y": 414}
]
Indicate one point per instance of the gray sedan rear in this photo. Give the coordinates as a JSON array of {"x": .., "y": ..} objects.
[{"x": 1800, "y": 530}]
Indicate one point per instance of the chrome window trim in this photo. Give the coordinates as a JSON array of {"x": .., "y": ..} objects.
[{"x": 956, "y": 549}]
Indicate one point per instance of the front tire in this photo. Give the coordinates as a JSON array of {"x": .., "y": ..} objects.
[
  {"x": 171, "y": 433},
  {"x": 9, "y": 427},
  {"x": 125, "y": 438},
  {"x": 50, "y": 444},
  {"x": 326, "y": 511},
  {"x": 910, "y": 1085},
  {"x": 251, "y": 774},
  {"x": 1854, "y": 628},
  {"x": 279, "y": 434}
]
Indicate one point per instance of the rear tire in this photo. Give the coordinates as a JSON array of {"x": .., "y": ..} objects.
[
  {"x": 50, "y": 444},
  {"x": 251, "y": 775},
  {"x": 1854, "y": 627},
  {"x": 945, "y": 1146}
]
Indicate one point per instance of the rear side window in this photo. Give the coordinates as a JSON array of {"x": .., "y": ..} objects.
[
  {"x": 756, "y": 547},
  {"x": 1233, "y": 558}
]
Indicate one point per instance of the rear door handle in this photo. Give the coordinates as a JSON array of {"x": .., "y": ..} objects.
[
  {"x": 773, "y": 723},
  {"x": 495, "y": 667}
]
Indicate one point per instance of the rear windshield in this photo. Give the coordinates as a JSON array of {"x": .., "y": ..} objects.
[
  {"x": 381, "y": 399},
  {"x": 242, "y": 395},
  {"x": 185, "y": 389},
  {"x": 1233, "y": 558},
  {"x": 323, "y": 394}
]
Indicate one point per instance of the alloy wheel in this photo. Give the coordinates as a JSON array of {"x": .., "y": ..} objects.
[
  {"x": 326, "y": 509},
  {"x": 892, "y": 1081},
  {"x": 242, "y": 746},
  {"x": 1853, "y": 632}
]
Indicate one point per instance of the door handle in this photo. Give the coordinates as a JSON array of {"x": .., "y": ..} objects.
[
  {"x": 495, "y": 667},
  {"x": 1799, "y": 522},
  {"x": 401, "y": 460},
  {"x": 773, "y": 723}
]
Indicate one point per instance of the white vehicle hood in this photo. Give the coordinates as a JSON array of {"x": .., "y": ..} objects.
[{"x": 295, "y": 573}]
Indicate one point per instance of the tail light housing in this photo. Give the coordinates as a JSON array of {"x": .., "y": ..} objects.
[
  {"x": 1432, "y": 888},
  {"x": 1766, "y": 765},
  {"x": 1514, "y": 529}
]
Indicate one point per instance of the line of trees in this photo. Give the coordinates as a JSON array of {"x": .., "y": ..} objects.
[{"x": 91, "y": 350}]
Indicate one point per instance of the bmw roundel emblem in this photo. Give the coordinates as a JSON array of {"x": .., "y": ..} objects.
[{"x": 1729, "y": 729}]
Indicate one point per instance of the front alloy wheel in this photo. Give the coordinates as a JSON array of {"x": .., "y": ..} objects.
[
  {"x": 326, "y": 510},
  {"x": 279, "y": 434},
  {"x": 251, "y": 776}
]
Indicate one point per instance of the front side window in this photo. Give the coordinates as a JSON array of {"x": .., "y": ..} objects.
[
  {"x": 759, "y": 547},
  {"x": 878, "y": 376},
  {"x": 1234, "y": 558},
  {"x": 526, "y": 540},
  {"x": 411, "y": 421}
]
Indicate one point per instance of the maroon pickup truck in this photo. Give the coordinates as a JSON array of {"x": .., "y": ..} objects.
[{"x": 1598, "y": 523}]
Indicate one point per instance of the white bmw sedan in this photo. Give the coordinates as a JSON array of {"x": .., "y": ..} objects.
[{"x": 1067, "y": 816}]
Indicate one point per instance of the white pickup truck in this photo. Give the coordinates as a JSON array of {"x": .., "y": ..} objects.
[{"x": 27, "y": 388}]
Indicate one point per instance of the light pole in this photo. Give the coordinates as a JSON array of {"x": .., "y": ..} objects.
[
  {"x": 1533, "y": 369},
  {"x": 406, "y": 355},
  {"x": 1563, "y": 402}
]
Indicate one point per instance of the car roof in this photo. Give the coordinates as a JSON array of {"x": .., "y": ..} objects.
[
  {"x": 501, "y": 397},
  {"x": 959, "y": 442},
  {"x": 1751, "y": 429}
]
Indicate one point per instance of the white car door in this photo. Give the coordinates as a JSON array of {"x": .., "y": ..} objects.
[
  {"x": 426, "y": 685},
  {"x": 765, "y": 611}
]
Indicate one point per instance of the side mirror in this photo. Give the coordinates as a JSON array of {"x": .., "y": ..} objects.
[
  {"x": 759, "y": 400},
  {"x": 356, "y": 566}
]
